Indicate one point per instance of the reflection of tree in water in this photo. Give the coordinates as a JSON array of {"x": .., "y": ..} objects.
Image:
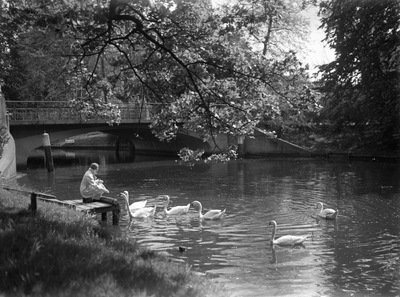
[{"x": 83, "y": 157}]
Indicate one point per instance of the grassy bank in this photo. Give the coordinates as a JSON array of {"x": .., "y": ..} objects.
[{"x": 61, "y": 252}]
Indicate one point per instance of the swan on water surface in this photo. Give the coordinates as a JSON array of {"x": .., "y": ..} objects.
[
  {"x": 143, "y": 212},
  {"x": 176, "y": 210},
  {"x": 286, "y": 239},
  {"x": 327, "y": 213},
  {"x": 213, "y": 214},
  {"x": 135, "y": 205}
]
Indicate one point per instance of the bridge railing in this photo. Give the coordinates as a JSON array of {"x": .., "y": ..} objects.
[{"x": 45, "y": 112}]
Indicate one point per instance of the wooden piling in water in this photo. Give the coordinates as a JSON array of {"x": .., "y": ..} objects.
[{"x": 47, "y": 152}]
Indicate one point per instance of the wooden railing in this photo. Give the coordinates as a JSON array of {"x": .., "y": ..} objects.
[{"x": 60, "y": 112}]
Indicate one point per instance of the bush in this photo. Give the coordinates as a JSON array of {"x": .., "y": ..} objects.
[{"x": 190, "y": 157}]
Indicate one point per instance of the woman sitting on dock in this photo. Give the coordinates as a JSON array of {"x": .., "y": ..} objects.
[{"x": 91, "y": 187}]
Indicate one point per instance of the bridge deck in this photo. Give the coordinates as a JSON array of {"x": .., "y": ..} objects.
[{"x": 55, "y": 112}]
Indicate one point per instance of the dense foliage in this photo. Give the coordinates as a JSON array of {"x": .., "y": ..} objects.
[
  {"x": 191, "y": 157},
  {"x": 362, "y": 85},
  {"x": 177, "y": 54},
  {"x": 272, "y": 27}
]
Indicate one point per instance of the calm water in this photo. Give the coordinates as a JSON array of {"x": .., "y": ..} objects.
[{"x": 356, "y": 255}]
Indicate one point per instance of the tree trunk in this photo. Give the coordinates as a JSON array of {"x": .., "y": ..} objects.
[{"x": 266, "y": 40}]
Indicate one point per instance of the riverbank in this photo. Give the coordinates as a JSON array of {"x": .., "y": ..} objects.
[
  {"x": 324, "y": 142},
  {"x": 61, "y": 252}
]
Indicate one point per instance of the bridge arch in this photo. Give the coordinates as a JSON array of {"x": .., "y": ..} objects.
[
  {"x": 29, "y": 120},
  {"x": 28, "y": 138}
]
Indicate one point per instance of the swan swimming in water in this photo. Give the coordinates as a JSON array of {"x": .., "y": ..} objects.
[
  {"x": 142, "y": 212},
  {"x": 176, "y": 210},
  {"x": 135, "y": 205},
  {"x": 213, "y": 214},
  {"x": 327, "y": 213},
  {"x": 286, "y": 239}
]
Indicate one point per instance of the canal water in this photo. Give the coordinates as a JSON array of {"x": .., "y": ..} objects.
[{"x": 356, "y": 255}]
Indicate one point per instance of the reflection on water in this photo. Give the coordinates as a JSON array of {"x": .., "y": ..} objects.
[
  {"x": 356, "y": 255},
  {"x": 80, "y": 157}
]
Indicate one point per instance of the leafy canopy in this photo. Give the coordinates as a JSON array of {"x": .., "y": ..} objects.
[
  {"x": 271, "y": 26},
  {"x": 362, "y": 84},
  {"x": 176, "y": 54}
]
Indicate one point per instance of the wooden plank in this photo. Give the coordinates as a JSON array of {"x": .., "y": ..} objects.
[
  {"x": 50, "y": 200},
  {"x": 79, "y": 205},
  {"x": 71, "y": 202},
  {"x": 83, "y": 207},
  {"x": 96, "y": 206},
  {"x": 29, "y": 192},
  {"x": 105, "y": 209}
]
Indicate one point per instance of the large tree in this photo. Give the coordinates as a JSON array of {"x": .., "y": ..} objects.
[
  {"x": 177, "y": 54},
  {"x": 39, "y": 60},
  {"x": 362, "y": 85},
  {"x": 273, "y": 27}
]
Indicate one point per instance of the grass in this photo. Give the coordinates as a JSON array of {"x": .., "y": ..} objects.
[{"x": 61, "y": 252}]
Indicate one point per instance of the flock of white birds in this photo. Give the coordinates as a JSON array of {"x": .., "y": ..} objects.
[{"x": 139, "y": 210}]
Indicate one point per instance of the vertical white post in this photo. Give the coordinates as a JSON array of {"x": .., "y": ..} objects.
[
  {"x": 47, "y": 152},
  {"x": 240, "y": 141}
]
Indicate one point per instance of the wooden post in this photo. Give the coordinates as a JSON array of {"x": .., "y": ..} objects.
[
  {"x": 33, "y": 206},
  {"x": 117, "y": 144},
  {"x": 47, "y": 152},
  {"x": 115, "y": 215},
  {"x": 240, "y": 141}
]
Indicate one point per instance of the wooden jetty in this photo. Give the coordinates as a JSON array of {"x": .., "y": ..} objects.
[{"x": 102, "y": 206}]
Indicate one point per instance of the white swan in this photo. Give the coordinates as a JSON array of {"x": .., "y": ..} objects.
[
  {"x": 143, "y": 212},
  {"x": 176, "y": 210},
  {"x": 286, "y": 239},
  {"x": 327, "y": 213},
  {"x": 135, "y": 205},
  {"x": 213, "y": 214}
]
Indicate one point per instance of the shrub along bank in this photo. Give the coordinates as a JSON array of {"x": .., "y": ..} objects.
[{"x": 61, "y": 252}]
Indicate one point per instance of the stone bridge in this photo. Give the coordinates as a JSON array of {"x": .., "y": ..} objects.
[{"x": 29, "y": 120}]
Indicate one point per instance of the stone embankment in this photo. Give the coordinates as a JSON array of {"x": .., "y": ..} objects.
[{"x": 8, "y": 167}]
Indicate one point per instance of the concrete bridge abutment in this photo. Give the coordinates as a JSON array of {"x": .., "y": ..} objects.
[
  {"x": 8, "y": 168},
  {"x": 28, "y": 138}
]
